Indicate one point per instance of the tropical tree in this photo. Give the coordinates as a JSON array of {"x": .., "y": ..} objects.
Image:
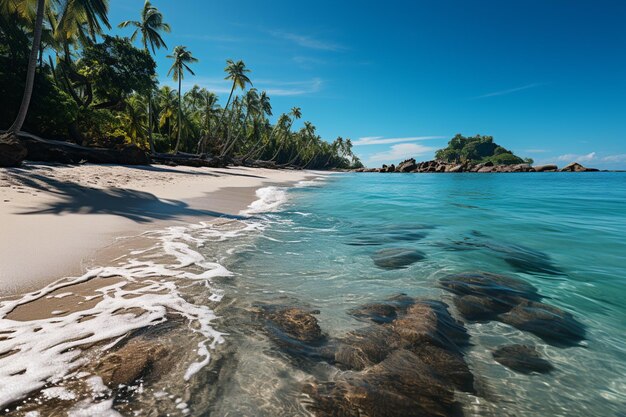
[
  {"x": 236, "y": 72},
  {"x": 150, "y": 26},
  {"x": 182, "y": 57}
]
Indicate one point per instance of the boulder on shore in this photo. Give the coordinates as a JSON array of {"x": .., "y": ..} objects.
[
  {"x": 12, "y": 150},
  {"x": 576, "y": 167},
  {"x": 406, "y": 166},
  {"x": 546, "y": 168}
]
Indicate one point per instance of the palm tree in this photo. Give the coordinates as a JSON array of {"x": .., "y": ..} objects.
[
  {"x": 237, "y": 73},
  {"x": 208, "y": 100},
  {"x": 168, "y": 104},
  {"x": 181, "y": 57},
  {"x": 74, "y": 14},
  {"x": 30, "y": 73},
  {"x": 150, "y": 25}
]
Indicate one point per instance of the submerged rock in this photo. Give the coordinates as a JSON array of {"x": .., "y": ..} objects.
[
  {"x": 485, "y": 296},
  {"x": 133, "y": 361},
  {"x": 384, "y": 312},
  {"x": 550, "y": 323},
  {"x": 430, "y": 322},
  {"x": 474, "y": 307},
  {"x": 396, "y": 258},
  {"x": 294, "y": 323},
  {"x": 401, "y": 385},
  {"x": 522, "y": 358},
  {"x": 501, "y": 288}
]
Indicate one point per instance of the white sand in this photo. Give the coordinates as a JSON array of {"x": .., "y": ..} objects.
[{"x": 54, "y": 219}]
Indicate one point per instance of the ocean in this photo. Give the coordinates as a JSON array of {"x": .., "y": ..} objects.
[{"x": 338, "y": 242}]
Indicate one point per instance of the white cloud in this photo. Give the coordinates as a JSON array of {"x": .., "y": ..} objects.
[
  {"x": 381, "y": 140},
  {"x": 509, "y": 91},
  {"x": 308, "y": 41},
  {"x": 400, "y": 152},
  {"x": 570, "y": 157},
  {"x": 615, "y": 158}
]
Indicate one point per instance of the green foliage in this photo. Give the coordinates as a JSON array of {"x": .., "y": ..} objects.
[
  {"x": 103, "y": 128},
  {"x": 51, "y": 110},
  {"x": 476, "y": 149},
  {"x": 116, "y": 69}
]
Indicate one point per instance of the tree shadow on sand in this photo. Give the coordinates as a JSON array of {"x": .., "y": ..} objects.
[{"x": 139, "y": 206}]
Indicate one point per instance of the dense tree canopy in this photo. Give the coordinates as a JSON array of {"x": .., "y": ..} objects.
[
  {"x": 476, "y": 149},
  {"x": 100, "y": 90}
]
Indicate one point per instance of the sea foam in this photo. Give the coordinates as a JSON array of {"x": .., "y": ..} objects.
[{"x": 37, "y": 354}]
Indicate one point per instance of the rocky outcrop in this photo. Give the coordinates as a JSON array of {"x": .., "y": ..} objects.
[
  {"x": 522, "y": 358},
  {"x": 410, "y": 165},
  {"x": 12, "y": 150},
  {"x": 576, "y": 167},
  {"x": 546, "y": 168},
  {"x": 407, "y": 166}
]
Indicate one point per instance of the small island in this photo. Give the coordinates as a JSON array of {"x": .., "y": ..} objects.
[{"x": 475, "y": 154}]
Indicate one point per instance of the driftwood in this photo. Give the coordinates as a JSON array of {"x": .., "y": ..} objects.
[{"x": 46, "y": 150}]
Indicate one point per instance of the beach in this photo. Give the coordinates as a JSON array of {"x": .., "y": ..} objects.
[{"x": 55, "y": 218}]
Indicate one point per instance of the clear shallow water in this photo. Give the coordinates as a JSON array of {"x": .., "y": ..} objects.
[
  {"x": 317, "y": 252},
  {"x": 311, "y": 246}
]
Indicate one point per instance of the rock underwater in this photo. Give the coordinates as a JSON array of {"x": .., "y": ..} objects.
[
  {"x": 409, "y": 362},
  {"x": 486, "y": 296}
]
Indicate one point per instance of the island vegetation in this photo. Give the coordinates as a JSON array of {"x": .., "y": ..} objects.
[
  {"x": 63, "y": 77},
  {"x": 476, "y": 150}
]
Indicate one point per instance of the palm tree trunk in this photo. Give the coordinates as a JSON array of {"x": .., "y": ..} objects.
[
  {"x": 180, "y": 79},
  {"x": 30, "y": 74},
  {"x": 150, "y": 141}
]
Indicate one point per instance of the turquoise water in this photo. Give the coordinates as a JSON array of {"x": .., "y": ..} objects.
[{"x": 563, "y": 233}]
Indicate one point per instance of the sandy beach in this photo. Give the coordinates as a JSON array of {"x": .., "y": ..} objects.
[{"x": 56, "y": 218}]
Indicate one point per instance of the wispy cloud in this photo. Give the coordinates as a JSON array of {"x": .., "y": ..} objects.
[
  {"x": 401, "y": 151},
  {"x": 273, "y": 87},
  {"x": 509, "y": 91},
  {"x": 615, "y": 158},
  {"x": 381, "y": 140},
  {"x": 570, "y": 157},
  {"x": 536, "y": 150},
  {"x": 308, "y": 41}
]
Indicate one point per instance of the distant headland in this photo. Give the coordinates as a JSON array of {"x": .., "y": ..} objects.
[{"x": 475, "y": 154}]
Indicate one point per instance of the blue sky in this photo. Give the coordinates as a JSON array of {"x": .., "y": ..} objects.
[{"x": 546, "y": 78}]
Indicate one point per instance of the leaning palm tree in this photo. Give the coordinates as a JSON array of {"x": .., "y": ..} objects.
[
  {"x": 72, "y": 15},
  {"x": 30, "y": 73},
  {"x": 237, "y": 73},
  {"x": 181, "y": 57},
  {"x": 149, "y": 26}
]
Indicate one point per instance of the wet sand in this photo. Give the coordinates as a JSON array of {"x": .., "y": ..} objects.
[{"x": 54, "y": 219}]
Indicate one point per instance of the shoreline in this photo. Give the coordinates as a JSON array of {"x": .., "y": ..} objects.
[{"x": 58, "y": 219}]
